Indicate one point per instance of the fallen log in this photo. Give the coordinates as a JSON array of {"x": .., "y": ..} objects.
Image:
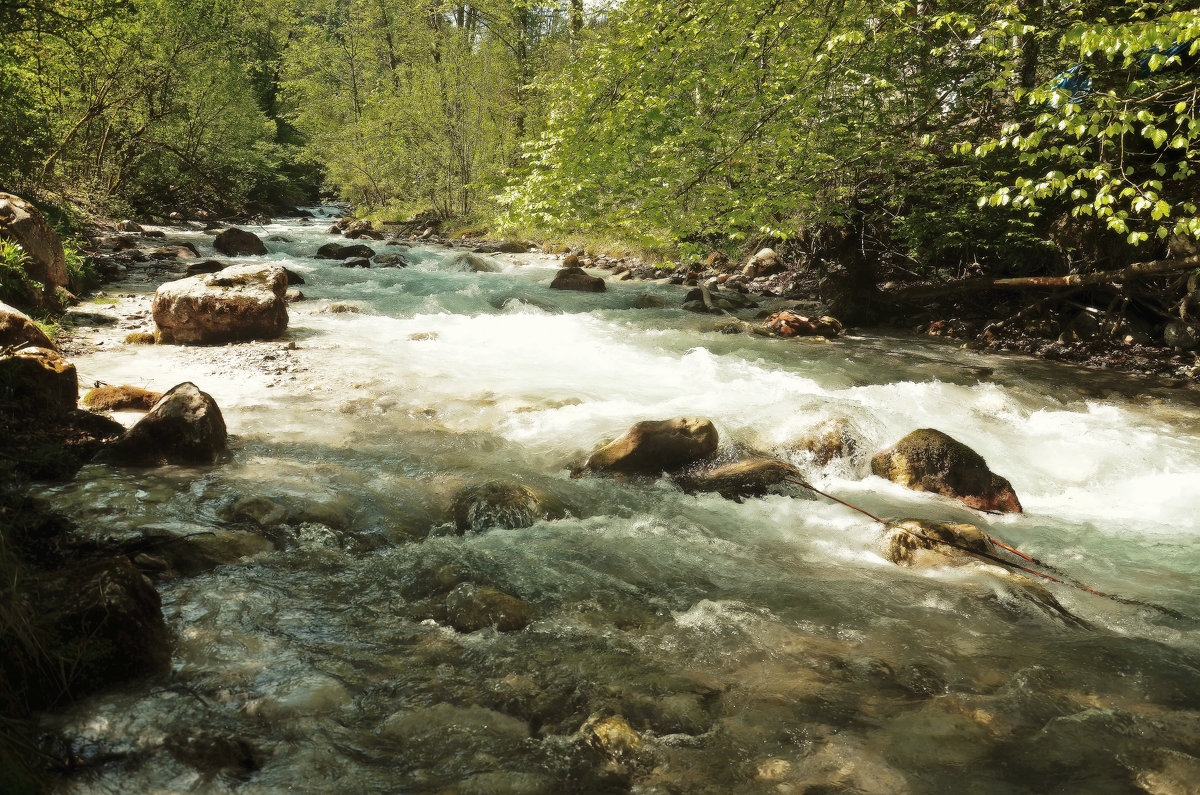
[{"x": 1138, "y": 270}]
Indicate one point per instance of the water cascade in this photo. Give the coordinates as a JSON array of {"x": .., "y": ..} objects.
[{"x": 677, "y": 642}]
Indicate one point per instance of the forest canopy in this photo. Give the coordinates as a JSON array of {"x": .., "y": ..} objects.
[{"x": 1007, "y": 136}]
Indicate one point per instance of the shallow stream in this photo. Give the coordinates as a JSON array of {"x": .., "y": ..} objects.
[{"x": 762, "y": 646}]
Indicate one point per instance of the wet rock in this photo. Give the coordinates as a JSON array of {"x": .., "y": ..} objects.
[
  {"x": 17, "y": 330},
  {"x": 241, "y": 302},
  {"x": 341, "y": 309},
  {"x": 655, "y": 446},
  {"x": 793, "y": 324},
  {"x": 39, "y": 380},
  {"x": 471, "y": 262},
  {"x": 648, "y": 301},
  {"x": 390, "y": 261},
  {"x": 356, "y": 262},
  {"x": 576, "y": 278},
  {"x": 182, "y": 251},
  {"x": 272, "y": 511},
  {"x": 205, "y": 266},
  {"x": 905, "y": 538},
  {"x": 832, "y": 440},
  {"x": 611, "y": 735},
  {"x": 129, "y": 226},
  {"x": 107, "y": 621},
  {"x": 184, "y": 427},
  {"x": 470, "y": 608},
  {"x": 293, "y": 278},
  {"x": 765, "y": 263},
  {"x": 116, "y": 398},
  {"x": 504, "y": 247},
  {"x": 1181, "y": 336},
  {"x": 23, "y": 223},
  {"x": 929, "y": 460},
  {"x": 202, "y": 549},
  {"x": 500, "y": 504},
  {"x": 139, "y": 338},
  {"x": 212, "y": 753},
  {"x": 750, "y": 477},
  {"x": 339, "y": 251},
  {"x": 484, "y": 726},
  {"x": 234, "y": 242},
  {"x": 709, "y": 298}
]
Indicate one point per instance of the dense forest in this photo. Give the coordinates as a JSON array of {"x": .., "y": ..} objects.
[{"x": 911, "y": 139}]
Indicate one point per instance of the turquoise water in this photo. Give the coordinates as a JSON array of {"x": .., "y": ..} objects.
[{"x": 763, "y": 646}]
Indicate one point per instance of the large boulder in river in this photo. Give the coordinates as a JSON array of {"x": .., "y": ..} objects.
[
  {"x": 500, "y": 504},
  {"x": 576, "y": 278},
  {"x": 234, "y": 242},
  {"x": 40, "y": 380},
  {"x": 656, "y": 446},
  {"x": 17, "y": 330},
  {"x": 22, "y": 223},
  {"x": 338, "y": 251},
  {"x": 241, "y": 302},
  {"x": 929, "y": 460},
  {"x": 184, "y": 427}
]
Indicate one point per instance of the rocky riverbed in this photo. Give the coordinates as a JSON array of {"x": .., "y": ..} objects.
[{"x": 391, "y": 580}]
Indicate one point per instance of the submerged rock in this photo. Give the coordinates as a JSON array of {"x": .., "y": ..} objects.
[
  {"x": 831, "y": 440},
  {"x": 474, "y": 263},
  {"x": 470, "y": 608},
  {"x": 115, "y": 398},
  {"x": 39, "y": 380},
  {"x": 234, "y": 242},
  {"x": 929, "y": 460},
  {"x": 500, "y": 504},
  {"x": 241, "y": 302},
  {"x": 750, "y": 477},
  {"x": 904, "y": 539},
  {"x": 17, "y": 330},
  {"x": 648, "y": 301},
  {"x": 655, "y": 446},
  {"x": 184, "y": 427},
  {"x": 390, "y": 261},
  {"x": 611, "y": 735},
  {"x": 576, "y": 278}
]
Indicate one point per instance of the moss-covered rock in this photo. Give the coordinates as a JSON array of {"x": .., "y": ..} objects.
[
  {"x": 903, "y": 540},
  {"x": 116, "y": 398},
  {"x": 929, "y": 460}
]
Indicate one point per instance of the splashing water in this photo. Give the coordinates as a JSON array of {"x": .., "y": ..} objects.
[{"x": 762, "y": 646}]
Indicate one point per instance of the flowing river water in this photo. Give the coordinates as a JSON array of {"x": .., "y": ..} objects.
[{"x": 761, "y": 646}]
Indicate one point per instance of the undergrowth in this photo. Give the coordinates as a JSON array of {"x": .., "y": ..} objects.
[{"x": 16, "y": 285}]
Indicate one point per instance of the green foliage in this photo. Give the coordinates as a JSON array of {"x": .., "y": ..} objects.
[
  {"x": 1124, "y": 152},
  {"x": 16, "y": 286}
]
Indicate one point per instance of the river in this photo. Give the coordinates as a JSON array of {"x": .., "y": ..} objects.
[{"x": 762, "y": 646}]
